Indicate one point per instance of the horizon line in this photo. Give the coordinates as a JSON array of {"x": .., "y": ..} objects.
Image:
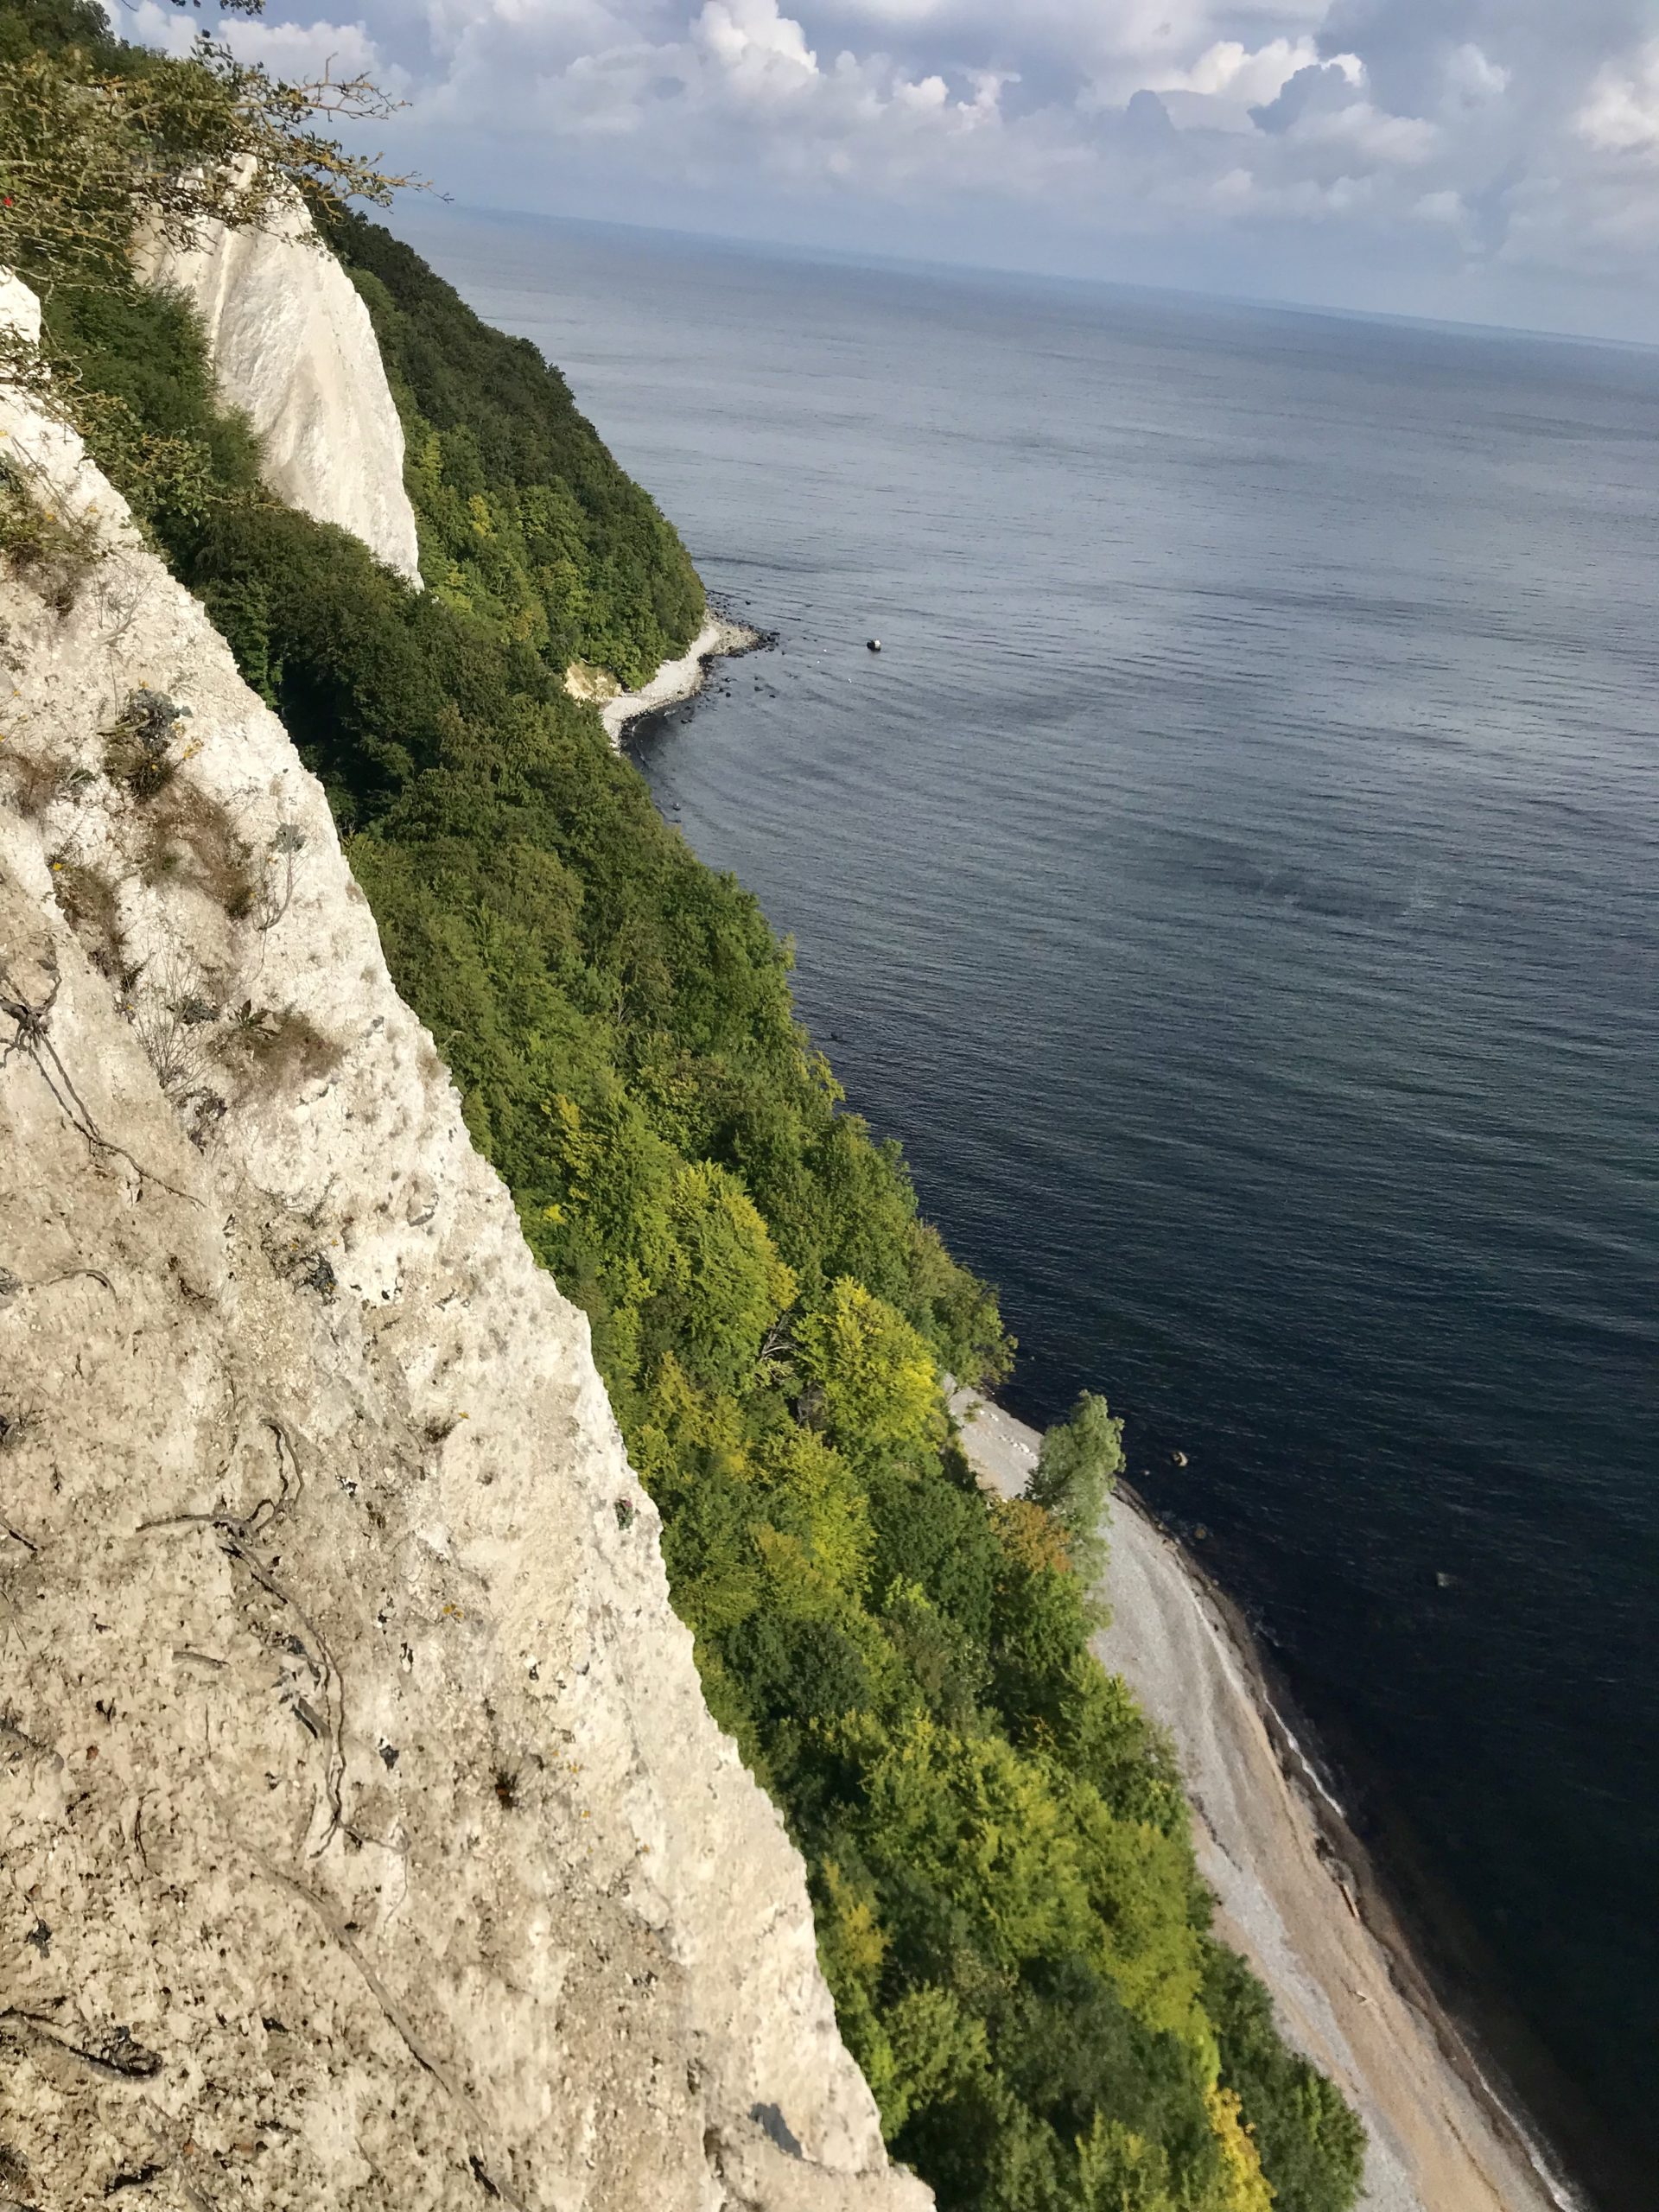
[{"x": 868, "y": 257}]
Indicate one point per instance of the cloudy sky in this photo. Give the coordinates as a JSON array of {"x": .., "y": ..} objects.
[{"x": 1490, "y": 160}]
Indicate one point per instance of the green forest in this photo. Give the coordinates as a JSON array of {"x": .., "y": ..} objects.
[{"x": 1009, "y": 1912}]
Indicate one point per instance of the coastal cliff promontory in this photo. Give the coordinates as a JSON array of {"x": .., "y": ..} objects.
[
  {"x": 293, "y": 348},
  {"x": 366, "y": 1831},
  {"x": 432, "y": 1244}
]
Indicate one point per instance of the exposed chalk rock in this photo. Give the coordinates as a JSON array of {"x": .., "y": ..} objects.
[
  {"x": 19, "y": 309},
  {"x": 366, "y": 1838},
  {"x": 293, "y": 346}
]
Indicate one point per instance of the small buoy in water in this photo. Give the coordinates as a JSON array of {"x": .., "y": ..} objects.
[
  {"x": 1201, "y": 1532},
  {"x": 1180, "y": 1458},
  {"x": 873, "y": 645}
]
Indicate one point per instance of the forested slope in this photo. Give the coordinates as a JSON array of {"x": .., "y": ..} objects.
[
  {"x": 1008, "y": 1911},
  {"x": 525, "y": 520}
]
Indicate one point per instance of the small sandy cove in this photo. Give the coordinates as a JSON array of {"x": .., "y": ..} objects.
[
  {"x": 1292, "y": 1894},
  {"x": 674, "y": 680}
]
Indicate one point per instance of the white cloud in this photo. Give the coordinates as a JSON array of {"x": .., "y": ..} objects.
[
  {"x": 1231, "y": 68},
  {"x": 1622, "y": 114},
  {"x": 1358, "y": 129},
  {"x": 1472, "y": 77},
  {"x": 1446, "y": 208},
  {"x": 898, "y": 11},
  {"x": 931, "y": 95},
  {"x": 1519, "y": 134},
  {"x": 305, "y": 51},
  {"x": 750, "y": 38},
  {"x": 154, "y": 25}
]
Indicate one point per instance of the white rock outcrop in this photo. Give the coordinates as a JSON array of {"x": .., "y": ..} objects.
[
  {"x": 19, "y": 309},
  {"x": 293, "y": 347},
  {"x": 365, "y": 1837}
]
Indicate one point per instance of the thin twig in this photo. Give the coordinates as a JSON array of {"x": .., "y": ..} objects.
[
  {"x": 237, "y": 1530},
  {"x": 397, "y": 2017},
  {"x": 70, "y": 1275},
  {"x": 29, "y": 1037},
  {"x": 122, "y": 2059}
]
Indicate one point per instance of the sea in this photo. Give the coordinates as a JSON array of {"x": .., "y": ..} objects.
[{"x": 1235, "y": 882}]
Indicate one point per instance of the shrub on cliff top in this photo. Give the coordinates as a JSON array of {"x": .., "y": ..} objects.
[{"x": 97, "y": 138}]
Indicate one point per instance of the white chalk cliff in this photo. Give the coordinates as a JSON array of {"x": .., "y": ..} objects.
[
  {"x": 293, "y": 347},
  {"x": 365, "y": 1837}
]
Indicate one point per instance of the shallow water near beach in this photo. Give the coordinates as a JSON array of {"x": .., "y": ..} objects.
[{"x": 1234, "y": 881}]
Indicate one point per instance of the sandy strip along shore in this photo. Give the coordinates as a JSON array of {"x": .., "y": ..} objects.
[
  {"x": 1293, "y": 1892},
  {"x": 678, "y": 679}
]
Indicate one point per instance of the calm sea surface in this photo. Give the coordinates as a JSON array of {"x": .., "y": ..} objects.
[{"x": 1235, "y": 882}]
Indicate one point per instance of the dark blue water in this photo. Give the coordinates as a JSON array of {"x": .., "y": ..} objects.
[{"x": 1235, "y": 883}]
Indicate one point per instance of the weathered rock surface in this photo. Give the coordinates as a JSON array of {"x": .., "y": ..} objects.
[
  {"x": 366, "y": 1838},
  {"x": 293, "y": 347}
]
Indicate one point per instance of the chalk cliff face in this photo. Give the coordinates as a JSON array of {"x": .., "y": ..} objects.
[
  {"x": 20, "y": 310},
  {"x": 293, "y": 347},
  {"x": 366, "y": 1839}
]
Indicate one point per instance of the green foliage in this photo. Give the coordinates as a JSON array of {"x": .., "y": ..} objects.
[
  {"x": 525, "y": 520},
  {"x": 57, "y": 552},
  {"x": 1010, "y": 1916},
  {"x": 31, "y": 27},
  {"x": 97, "y": 138},
  {"x": 129, "y": 370},
  {"x": 1079, "y": 1458},
  {"x": 872, "y": 1377},
  {"x": 1310, "y": 2140}
]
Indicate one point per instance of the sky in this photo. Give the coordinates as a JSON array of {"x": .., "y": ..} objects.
[{"x": 1491, "y": 161}]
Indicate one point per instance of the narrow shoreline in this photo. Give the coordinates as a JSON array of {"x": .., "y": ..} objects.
[
  {"x": 1353, "y": 1867},
  {"x": 1297, "y": 1891},
  {"x": 675, "y": 681}
]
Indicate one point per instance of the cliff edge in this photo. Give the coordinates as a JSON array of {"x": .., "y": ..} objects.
[
  {"x": 293, "y": 348},
  {"x": 366, "y": 1837}
]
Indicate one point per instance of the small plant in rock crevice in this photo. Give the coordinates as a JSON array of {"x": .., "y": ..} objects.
[
  {"x": 40, "y": 542},
  {"x": 172, "y": 1014},
  {"x": 188, "y": 836},
  {"x": 303, "y": 1264},
  {"x": 283, "y": 1049},
  {"x": 276, "y": 894},
  {"x": 88, "y": 900},
  {"x": 30, "y": 781},
  {"x": 138, "y": 745},
  {"x": 202, "y": 1110},
  {"x": 186, "y": 832},
  {"x": 17, "y": 1422}
]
